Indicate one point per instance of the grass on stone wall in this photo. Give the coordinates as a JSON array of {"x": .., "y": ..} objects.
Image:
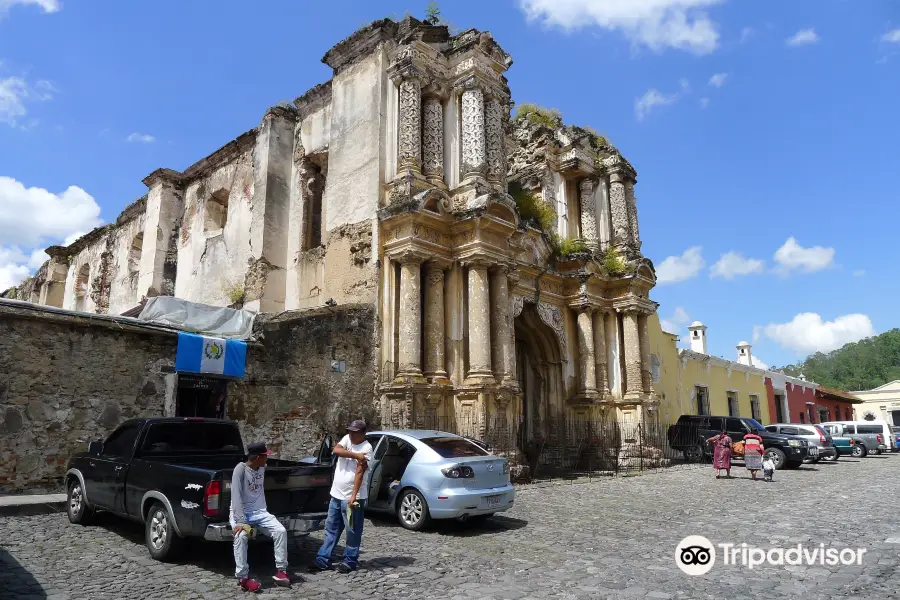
[
  {"x": 566, "y": 247},
  {"x": 613, "y": 263},
  {"x": 548, "y": 117},
  {"x": 533, "y": 208}
]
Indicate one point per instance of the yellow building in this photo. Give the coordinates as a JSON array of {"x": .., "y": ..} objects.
[{"x": 693, "y": 382}]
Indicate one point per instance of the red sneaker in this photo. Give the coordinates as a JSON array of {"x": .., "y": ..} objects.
[
  {"x": 281, "y": 578},
  {"x": 250, "y": 585}
]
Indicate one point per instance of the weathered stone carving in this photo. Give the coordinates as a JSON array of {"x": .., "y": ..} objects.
[
  {"x": 473, "y": 143},
  {"x": 433, "y": 137},
  {"x": 618, "y": 210},
  {"x": 588, "y": 214},
  {"x": 633, "y": 382},
  {"x": 410, "y": 127},
  {"x": 496, "y": 151},
  {"x": 552, "y": 316},
  {"x": 631, "y": 201}
]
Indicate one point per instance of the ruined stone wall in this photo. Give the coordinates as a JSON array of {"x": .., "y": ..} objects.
[{"x": 65, "y": 378}]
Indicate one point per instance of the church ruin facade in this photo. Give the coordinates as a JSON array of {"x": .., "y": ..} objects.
[{"x": 502, "y": 254}]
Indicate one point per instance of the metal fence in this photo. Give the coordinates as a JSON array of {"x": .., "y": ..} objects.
[{"x": 572, "y": 448}]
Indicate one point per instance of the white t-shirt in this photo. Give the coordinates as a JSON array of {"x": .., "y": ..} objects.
[{"x": 345, "y": 472}]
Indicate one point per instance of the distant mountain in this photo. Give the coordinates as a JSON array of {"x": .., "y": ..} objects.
[{"x": 857, "y": 366}]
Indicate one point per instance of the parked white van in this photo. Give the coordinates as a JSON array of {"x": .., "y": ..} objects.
[{"x": 862, "y": 427}]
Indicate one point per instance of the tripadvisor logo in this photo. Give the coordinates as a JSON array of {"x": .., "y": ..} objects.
[{"x": 696, "y": 555}]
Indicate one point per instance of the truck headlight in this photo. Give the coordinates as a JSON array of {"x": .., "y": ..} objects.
[{"x": 794, "y": 443}]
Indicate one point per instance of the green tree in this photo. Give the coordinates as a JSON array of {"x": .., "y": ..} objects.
[{"x": 433, "y": 14}]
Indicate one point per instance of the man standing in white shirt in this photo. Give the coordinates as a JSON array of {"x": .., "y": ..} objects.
[{"x": 350, "y": 488}]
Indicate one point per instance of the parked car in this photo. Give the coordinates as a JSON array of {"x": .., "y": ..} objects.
[
  {"x": 690, "y": 433},
  {"x": 813, "y": 434},
  {"x": 174, "y": 476},
  {"x": 419, "y": 475},
  {"x": 896, "y": 431},
  {"x": 874, "y": 434},
  {"x": 846, "y": 445}
]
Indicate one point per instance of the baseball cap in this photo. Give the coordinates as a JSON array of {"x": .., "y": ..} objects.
[
  {"x": 357, "y": 425},
  {"x": 257, "y": 448}
]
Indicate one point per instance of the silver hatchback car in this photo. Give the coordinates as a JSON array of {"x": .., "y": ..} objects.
[
  {"x": 817, "y": 437},
  {"x": 420, "y": 475}
]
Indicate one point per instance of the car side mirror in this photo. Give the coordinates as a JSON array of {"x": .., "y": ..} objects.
[
  {"x": 326, "y": 451},
  {"x": 95, "y": 448}
]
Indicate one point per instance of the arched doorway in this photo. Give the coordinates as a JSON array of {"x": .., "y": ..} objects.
[{"x": 539, "y": 372}]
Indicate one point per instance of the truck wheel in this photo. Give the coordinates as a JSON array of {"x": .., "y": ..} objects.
[
  {"x": 412, "y": 510},
  {"x": 161, "y": 539},
  {"x": 76, "y": 507},
  {"x": 859, "y": 451},
  {"x": 777, "y": 457},
  {"x": 693, "y": 454}
]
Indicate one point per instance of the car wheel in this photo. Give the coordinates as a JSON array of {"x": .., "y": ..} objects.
[
  {"x": 161, "y": 539},
  {"x": 859, "y": 451},
  {"x": 76, "y": 506},
  {"x": 776, "y": 456},
  {"x": 693, "y": 454},
  {"x": 831, "y": 458},
  {"x": 412, "y": 510}
]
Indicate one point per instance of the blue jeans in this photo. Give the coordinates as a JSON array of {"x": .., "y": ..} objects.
[
  {"x": 334, "y": 526},
  {"x": 267, "y": 525}
]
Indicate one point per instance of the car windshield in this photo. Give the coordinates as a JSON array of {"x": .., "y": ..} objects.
[
  {"x": 453, "y": 447},
  {"x": 192, "y": 437},
  {"x": 755, "y": 425}
]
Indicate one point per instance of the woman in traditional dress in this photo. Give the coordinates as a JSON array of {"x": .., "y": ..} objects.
[
  {"x": 753, "y": 454},
  {"x": 721, "y": 454}
]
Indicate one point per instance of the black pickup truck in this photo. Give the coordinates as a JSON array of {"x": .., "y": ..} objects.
[
  {"x": 690, "y": 433},
  {"x": 174, "y": 476}
]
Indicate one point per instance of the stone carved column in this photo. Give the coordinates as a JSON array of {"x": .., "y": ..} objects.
[
  {"x": 618, "y": 209},
  {"x": 479, "y": 323},
  {"x": 600, "y": 351},
  {"x": 496, "y": 154},
  {"x": 646, "y": 366},
  {"x": 434, "y": 322},
  {"x": 410, "y": 321},
  {"x": 500, "y": 324},
  {"x": 409, "y": 147},
  {"x": 433, "y": 138},
  {"x": 589, "y": 215},
  {"x": 631, "y": 202},
  {"x": 473, "y": 142},
  {"x": 588, "y": 384},
  {"x": 632, "y": 340}
]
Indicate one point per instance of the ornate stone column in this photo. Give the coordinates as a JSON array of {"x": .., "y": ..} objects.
[
  {"x": 632, "y": 340},
  {"x": 646, "y": 365},
  {"x": 600, "y": 359},
  {"x": 588, "y": 384},
  {"x": 494, "y": 141},
  {"x": 410, "y": 320},
  {"x": 479, "y": 324},
  {"x": 618, "y": 209},
  {"x": 589, "y": 214},
  {"x": 434, "y": 322},
  {"x": 473, "y": 140},
  {"x": 631, "y": 202},
  {"x": 433, "y": 138},
  {"x": 500, "y": 323},
  {"x": 409, "y": 146}
]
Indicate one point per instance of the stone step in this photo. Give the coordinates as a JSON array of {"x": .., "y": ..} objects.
[{"x": 31, "y": 504}]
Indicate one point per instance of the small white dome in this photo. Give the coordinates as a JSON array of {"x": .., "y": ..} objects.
[
  {"x": 696, "y": 324},
  {"x": 743, "y": 344}
]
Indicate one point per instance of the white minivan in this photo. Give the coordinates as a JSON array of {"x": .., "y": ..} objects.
[{"x": 860, "y": 427}]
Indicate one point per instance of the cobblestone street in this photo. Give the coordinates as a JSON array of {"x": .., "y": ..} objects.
[{"x": 609, "y": 539}]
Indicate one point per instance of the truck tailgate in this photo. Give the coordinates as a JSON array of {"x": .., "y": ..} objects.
[{"x": 299, "y": 488}]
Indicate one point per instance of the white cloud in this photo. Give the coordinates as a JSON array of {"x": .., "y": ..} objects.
[
  {"x": 757, "y": 333},
  {"x": 652, "y": 98},
  {"x": 673, "y": 324},
  {"x": 803, "y": 37},
  {"x": 16, "y": 93},
  {"x": 656, "y": 24},
  {"x": 859, "y": 272},
  {"x": 718, "y": 80},
  {"x": 49, "y": 6},
  {"x": 675, "y": 269},
  {"x": 704, "y": 102},
  {"x": 891, "y": 37},
  {"x": 807, "y": 332},
  {"x": 755, "y": 362},
  {"x": 747, "y": 33},
  {"x": 37, "y": 258},
  {"x": 70, "y": 239},
  {"x": 142, "y": 138},
  {"x": 31, "y": 216},
  {"x": 793, "y": 256},
  {"x": 735, "y": 264},
  {"x": 12, "y": 267}
]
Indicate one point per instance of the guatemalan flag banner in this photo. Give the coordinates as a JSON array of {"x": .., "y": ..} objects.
[{"x": 201, "y": 354}]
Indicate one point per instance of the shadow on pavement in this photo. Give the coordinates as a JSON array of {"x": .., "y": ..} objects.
[
  {"x": 474, "y": 527},
  {"x": 14, "y": 578}
]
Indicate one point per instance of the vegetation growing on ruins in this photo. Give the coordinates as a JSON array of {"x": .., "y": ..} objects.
[
  {"x": 538, "y": 115},
  {"x": 566, "y": 247},
  {"x": 236, "y": 292},
  {"x": 533, "y": 209},
  {"x": 613, "y": 263},
  {"x": 433, "y": 14}
]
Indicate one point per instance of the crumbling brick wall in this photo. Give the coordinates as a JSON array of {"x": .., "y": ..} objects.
[{"x": 66, "y": 379}]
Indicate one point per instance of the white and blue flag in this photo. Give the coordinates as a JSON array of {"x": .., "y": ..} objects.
[{"x": 201, "y": 354}]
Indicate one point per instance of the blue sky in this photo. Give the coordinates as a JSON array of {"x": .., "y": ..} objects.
[{"x": 762, "y": 131}]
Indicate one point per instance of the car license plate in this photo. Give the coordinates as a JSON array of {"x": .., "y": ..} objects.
[
  {"x": 493, "y": 500},
  {"x": 813, "y": 451}
]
